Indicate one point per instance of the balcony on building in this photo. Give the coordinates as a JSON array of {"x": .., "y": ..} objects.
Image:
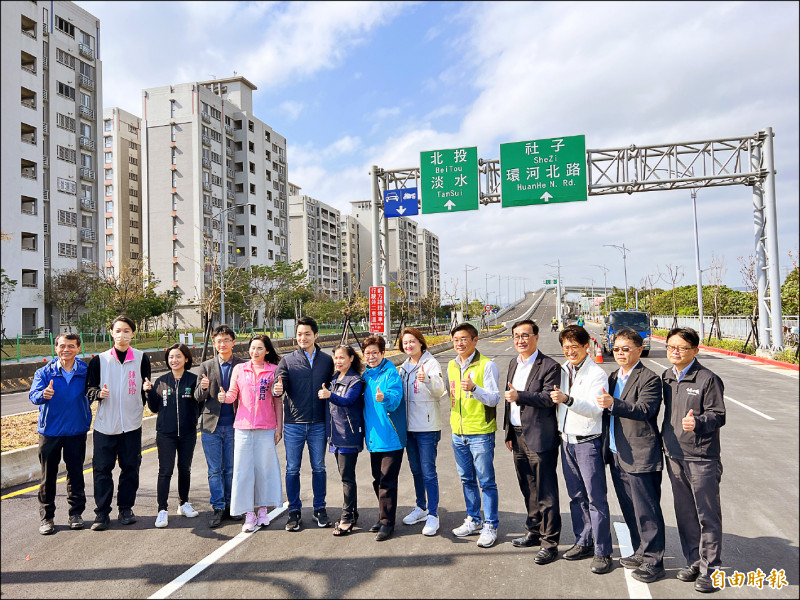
[
  {"x": 87, "y": 204},
  {"x": 87, "y": 112},
  {"x": 231, "y": 216},
  {"x": 206, "y": 117},
  {"x": 207, "y": 186},
  {"x": 28, "y": 63},
  {"x": 28, "y": 134},
  {"x": 85, "y": 82},
  {"x": 29, "y": 27},
  {"x": 87, "y": 173},
  {"x": 87, "y": 265},
  {"x": 229, "y": 172},
  {"x": 28, "y": 98},
  {"x": 228, "y": 149},
  {"x": 86, "y": 142},
  {"x": 87, "y": 235},
  {"x": 86, "y": 51},
  {"x": 206, "y": 140},
  {"x": 229, "y": 130},
  {"x": 230, "y": 194},
  {"x": 28, "y": 169},
  {"x": 206, "y": 163},
  {"x": 206, "y": 208}
]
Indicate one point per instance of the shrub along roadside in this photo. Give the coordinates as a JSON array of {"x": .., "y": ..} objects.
[{"x": 787, "y": 356}]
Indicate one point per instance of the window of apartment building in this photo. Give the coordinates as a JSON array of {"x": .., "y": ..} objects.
[
  {"x": 68, "y": 250},
  {"x": 133, "y": 177},
  {"x": 65, "y": 26},
  {"x": 133, "y": 129},
  {"x": 109, "y": 239},
  {"x": 86, "y": 130},
  {"x": 133, "y": 145},
  {"x": 28, "y": 241},
  {"x": 252, "y": 209},
  {"x": 86, "y": 160},
  {"x": 86, "y": 253},
  {"x": 109, "y": 173},
  {"x": 65, "y": 58},
  {"x": 109, "y": 157},
  {"x": 173, "y": 133},
  {"x": 134, "y": 256},
  {"x": 64, "y": 90},
  {"x": 86, "y": 69},
  {"x": 174, "y": 179},
  {"x": 65, "y": 122},
  {"x": 269, "y": 254},
  {"x": 253, "y": 230},
  {"x": 107, "y": 125},
  {"x": 30, "y": 278},
  {"x": 85, "y": 37},
  {"x": 252, "y": 188},
  {"x": 109, "y": 255},
  {"x": 266, "y": 136},
  {"x": 216, "y": 158},
  {"x": 66, "y": 154},
  {"x": 109, "y": 206},
  {"x": 67, "y": 186},
  {"x": 133, "y": 160},
  {"x": 268, "y": 175},
  {"x": 109, "y": 222},
  {"x": 133, "y": 207},
  {"x": 269, "y": 234},
  {"x": 251, "y": 146},
  {"x": 253, "y": 251},
  {"x": 174, "y": 156},
  {"x": 134, "y": 224},
  {"x": 269, "y": 215},
  {"x": 86, "y": 100},
  {"x": 250, "y": 126},
  {"x": 274, "y": 147},
  {"x": 172, "y": 107},
  {"x": 216, "y": 180},
  {"x": 253, "y": 168},
  {"x": 28, "y": 205},
  {"x": 134, "y": 239},
  {"x": 107, "y": 142},
  {"x": 133, "y": 193},
  {"x": 215, "y": 113},
  {"x": 215, "y": 135},
  {"x": 109, "y": 190},
  {"x": 66, "y": 217}
]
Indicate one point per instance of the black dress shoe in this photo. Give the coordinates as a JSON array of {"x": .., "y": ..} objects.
[
  {"x": 546, "y": 555},
  {"x": 101, "y": 523},
  {"x": 647, "y": 573},
  {"x": 126, "y": 516},
  {"x": 216, "y": 519},
  {"x": 688, "y": 573},
  {"x": 601, "y": 564},
  {"x": 633, "y": 561},
  {"x": 704, "y": 584},
  {"x": 375, "y": 528},
  {"x": 578, "y": 552},
  {"x": 526, "y": 541},
  {"x": 384, "y": 533},
  {"x": 228, "y": 515}
]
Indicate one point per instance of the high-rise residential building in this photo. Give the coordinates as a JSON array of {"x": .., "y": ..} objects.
[
  {"x": 315, "y": 238},
  {"x": 121, "y": 243},
  {"x": 215, "y": 192},
  {"x": 428, "y": 253},
  {"x": 356, "y": 245},
  {"x": 51, "y": 62}
]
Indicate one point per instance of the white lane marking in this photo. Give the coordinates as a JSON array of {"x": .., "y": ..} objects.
[
  {"x": 636, "y": 589},
  {"x": 658, "y": 364},
  {"x": 209, "y": 560},
  {"x": 507, "y": 349},
  {"x": 760, "y": 414}
]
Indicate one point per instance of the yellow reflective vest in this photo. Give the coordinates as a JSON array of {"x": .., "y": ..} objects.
[{"x": 469, "y": 416}]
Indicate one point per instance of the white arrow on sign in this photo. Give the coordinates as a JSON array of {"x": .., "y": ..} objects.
[
  {"x": 546, "y": 196},
  {"x": 450, "y": 204},
  {"x": 401, "y": 210}
]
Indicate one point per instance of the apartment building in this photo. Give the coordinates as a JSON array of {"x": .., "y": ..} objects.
[
  {"x": 215, "y": 191},
  {"x": 428, "y": 254},
  {"x": 122, "y": 184},
  {"x": 356, "y": 250},
  {"x": 315, "y": 238},
  {"x": 51, "y": 64}
]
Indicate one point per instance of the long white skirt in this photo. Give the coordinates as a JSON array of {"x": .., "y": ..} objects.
[{"x": 256, "y": 471}]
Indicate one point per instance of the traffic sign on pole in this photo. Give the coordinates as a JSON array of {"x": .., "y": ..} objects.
[
  {"x": 376, "y": 308},
  {"x": 543, "y": 171},
  {"x": 488, "y": 308},
  {"x": 551, "y": 281},
  {"x": 449, "y": 180},
  {"x": 400, "y": 203}
]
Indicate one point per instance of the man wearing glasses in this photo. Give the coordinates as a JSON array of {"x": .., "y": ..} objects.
[
  {"x": 532, "y": 435},
  {"x": 632, "y": 447},
  {"x": 694, "y": 411},
  {"x": 216, "y": 423}
]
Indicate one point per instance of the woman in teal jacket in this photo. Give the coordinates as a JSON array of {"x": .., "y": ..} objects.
[{"x": 385, "y": 425}]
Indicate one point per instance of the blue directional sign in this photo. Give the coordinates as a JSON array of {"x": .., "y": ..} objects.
[{"x": 400, "y": 203}]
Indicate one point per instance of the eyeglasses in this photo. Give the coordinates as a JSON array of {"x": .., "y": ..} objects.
[
  {"x": 223, "y": 342},
  {"x": 571, "y": 348},
  {"x": 522, "y": 336},
  {"x": 621, "y": 349},
  {"x": 679, "y": 349},
  {"x": 460, "y": 340},
  {"x": 371, "y": 354}
]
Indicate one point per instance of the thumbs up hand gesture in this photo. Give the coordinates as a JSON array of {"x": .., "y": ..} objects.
[
  {"x": 421, "y": 374},
  {"x": 467, "y": 384},
  {"x": 324, "y": 393},
  {"x": 48, "y": 391},
  {"x": 204, "y": 382},
  {"x": 511, "y": 394},
  {"x": 688, "y": 422},
  {"x": 557, "y": 396},
  {"x": 605, "y": 400},
  {"x": 105, "y": 392},
  {"x": 221, "y": 396},
  {"x": 146, "y": 385},
  {"x": 277, "y": 389},
  {"x": 379, "y": 395}
]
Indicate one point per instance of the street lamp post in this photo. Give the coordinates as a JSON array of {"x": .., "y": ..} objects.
[
  {"x": 487, "y": 287},
  {"x": 605, "y": 287},
  {"x": 467, "y": 269},
  {"x": 697, "y": 265},
  {"x": 624, "y": 251},
  {"x": 223, "y": 264}
]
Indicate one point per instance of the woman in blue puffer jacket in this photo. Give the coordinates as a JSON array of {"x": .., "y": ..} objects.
[{"x": 385, "y": 420}]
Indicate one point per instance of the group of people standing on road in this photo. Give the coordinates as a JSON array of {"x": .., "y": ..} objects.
[{"x": 310, "y": 399}]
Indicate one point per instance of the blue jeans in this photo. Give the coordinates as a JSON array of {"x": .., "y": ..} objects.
[
  {"x": 421, "y": 448},
  {"x": 295, "y": 437},
  {"x": 475, "y": 462},
  {"x": 218, "y": 448}
]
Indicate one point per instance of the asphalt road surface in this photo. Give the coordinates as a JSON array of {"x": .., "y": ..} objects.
[{"x": 759, "y": 493}]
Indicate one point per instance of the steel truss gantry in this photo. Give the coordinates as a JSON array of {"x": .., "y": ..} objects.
[{"x": 720, "y": 162}]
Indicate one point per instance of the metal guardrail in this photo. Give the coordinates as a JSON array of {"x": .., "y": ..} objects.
[{"x": 730, "y": 326}]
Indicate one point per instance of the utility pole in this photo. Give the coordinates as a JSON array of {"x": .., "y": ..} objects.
[
  {"x": 487, "y": 288},
  {"x": 558, "y": 292},
  {"x": 467, "y": 269},
  {"x": 624, "y": 251},
  {"x": 605, "y": 287}
]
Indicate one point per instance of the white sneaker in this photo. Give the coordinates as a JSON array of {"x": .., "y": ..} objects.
[
  {"x": 431, "y": 525},
  {"x": 488, "y": 536},
  {"x": 415, "y": 516},
  {"x": 162, "y": 519},
  {"x": 468, "y": 527},
  {"x": 186, "y": 510}
]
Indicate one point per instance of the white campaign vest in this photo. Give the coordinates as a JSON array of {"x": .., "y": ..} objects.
[{"x": 122, "y": 410}]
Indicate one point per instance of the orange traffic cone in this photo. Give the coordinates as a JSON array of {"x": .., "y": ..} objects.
[{"x": 598, "y": 357}]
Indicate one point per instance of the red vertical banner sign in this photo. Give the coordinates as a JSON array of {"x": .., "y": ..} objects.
[{"x": 376, "y": 309}]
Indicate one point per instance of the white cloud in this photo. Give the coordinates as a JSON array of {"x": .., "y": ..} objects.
[{"x": 291, "y": 108}]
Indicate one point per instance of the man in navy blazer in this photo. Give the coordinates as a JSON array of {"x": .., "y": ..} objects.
[
  {"x": 531, "y": 433},
  {"x": 632, "y": 447}
]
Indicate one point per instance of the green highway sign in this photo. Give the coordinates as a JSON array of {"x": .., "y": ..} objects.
[
  {"x": 551, "y": 281},
  {"x": 543, "y": 171},
  {"x": 449, "y": 180}
]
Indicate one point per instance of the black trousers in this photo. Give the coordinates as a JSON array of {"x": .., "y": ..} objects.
[
  {"x": 639, "y": 496},
  {"x": 50, "y": 450},
  {"x": 168, "y": 445},
  {"x": 385, "y": 471},
  {"x": 125, "y": 448},
  {"x": 347, "y": 470},
  {"x": 538, "y": 482},
  {"x": 695, "y": 491}
]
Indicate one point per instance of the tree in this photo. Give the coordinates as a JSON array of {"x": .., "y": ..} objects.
[
  {"x": 7, "y": 287},
  {"x": 673, "y": 275},
  {"x": 717, "y": 272},
  {"x": 277, "y": 286},
  {"x": 790, "y": 291},
  {"x": 70, "y": 290}
]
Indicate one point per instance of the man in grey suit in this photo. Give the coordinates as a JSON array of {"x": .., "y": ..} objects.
[
  {"x": 217, "y": 423},
  {"x": 632, "y": 447}
]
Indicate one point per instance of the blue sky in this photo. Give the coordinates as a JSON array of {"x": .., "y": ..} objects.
[{"x": 356, "y": 84}]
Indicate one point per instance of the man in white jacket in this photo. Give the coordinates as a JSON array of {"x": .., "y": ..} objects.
[{"x": 580, "y": 420}]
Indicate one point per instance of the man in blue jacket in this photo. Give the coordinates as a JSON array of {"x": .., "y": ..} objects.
[{"x": 59, "y": 389}]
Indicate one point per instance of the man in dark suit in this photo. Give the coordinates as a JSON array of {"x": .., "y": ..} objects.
[
  {"x": 632, "y": 447},
  {"x": 217, "y": 423},
  {"x": 531, "y": 433}
]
